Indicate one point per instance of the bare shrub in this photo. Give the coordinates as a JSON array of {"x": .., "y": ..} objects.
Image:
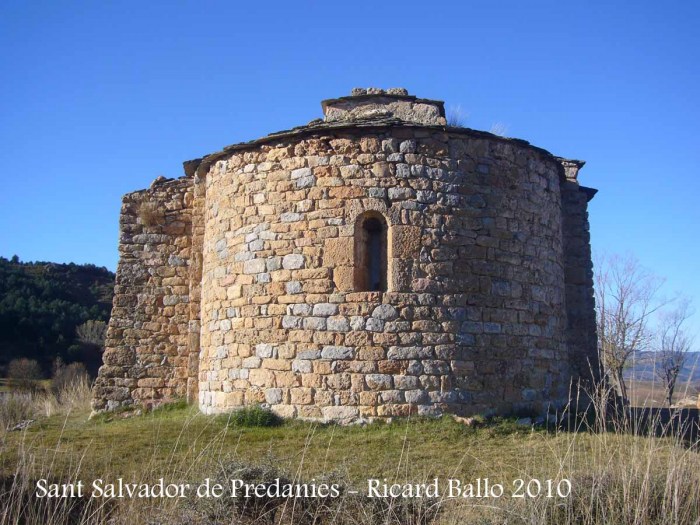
[
  {"x": 24, "y": 373},
  {"x": 70, "y": 391},
  {"x": 66, "y": 376},
  {"x": 672, "y": 347},
  {"x": 92, "y": 332}
]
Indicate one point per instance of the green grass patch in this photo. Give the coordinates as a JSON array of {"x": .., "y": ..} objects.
[
  {"x": 254, "y": 416},
  {"x": 174, "y": 406},
  {"x": 167, "y": 438}
]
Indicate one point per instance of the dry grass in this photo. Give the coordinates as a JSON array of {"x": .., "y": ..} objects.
[
  {"x": 21, "y": 405},
  {"x": 150, "y": 214},
  {"x": 616, "y": 477}
]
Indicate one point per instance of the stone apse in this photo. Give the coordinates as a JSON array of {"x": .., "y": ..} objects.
[{"x": 372, "y": 264}]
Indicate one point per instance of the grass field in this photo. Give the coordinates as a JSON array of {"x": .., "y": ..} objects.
[
  {"x": 418, "y": 448},
  {"x": 613, "y": 475},
  {"x": 652, "y": 393}
]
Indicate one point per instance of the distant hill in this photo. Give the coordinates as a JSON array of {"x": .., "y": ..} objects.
[
  {"x": 41, "y": 303},
  {"x": 643, "y": 368}
]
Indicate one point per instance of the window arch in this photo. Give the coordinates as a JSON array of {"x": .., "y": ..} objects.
[{"x": 371, "y": 253}]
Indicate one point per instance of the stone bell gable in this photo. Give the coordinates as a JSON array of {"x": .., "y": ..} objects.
[{"x": 372, "y": 264}]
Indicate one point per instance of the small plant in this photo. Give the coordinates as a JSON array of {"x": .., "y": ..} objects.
[
  {"x": 150, "y": 215},
  {"x": 456, "y": 118},
  {"x": 253, "y": 416},
  {"x": 499, "y": 128}
]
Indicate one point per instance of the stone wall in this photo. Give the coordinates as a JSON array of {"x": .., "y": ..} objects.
[
  {"x": 474, "y": 319},
  {"x": 147, "y": 353}
]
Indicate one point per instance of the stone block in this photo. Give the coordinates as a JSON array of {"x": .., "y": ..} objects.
[
  {"x": 407, "y": 146},
  {"x": 409, "y": 352},
  {"x": 301, "y": 396},
  {"x": 254, "y": 266},
  {"x": 406, "y": 241},
  {"x": 293, "y": 287},
  {"x": 301, "y": 366},
  {"x": 344, "y": 278},
  {"x": 293, "y": 261},
  {"x": 309, "y": 354},
  {"x": 251, "y": 362},
  {"x": 290, "y": 321},
  {"x": 290, "y": 217},
  {"x": 273, "y": 396},
  {"x": 305, "y": 182},
  {"x": 416, "y": 397},
  {"x": 385, "y": 312},
  {"x": 260, "y": 377},
  {"x": 406, "y": 382},
  {"x": 151, "y": 382},
  {"x": 340, "y": 414},
  {"x": 325, "y": 309},
  {"x": 264, "y": 350},
  {"x": 300, "y": 309},
  {"x": 309, "y": 412},
  {"x": 314, "y": 323},
  {"x": 374, "y": 325},
  {"x": 337, "y": 352},
  {"x": 284, "y": 411},
  {"x": 338, "y": 251},
  {"x": 379, "y": 381},
  {"x": 338, "y": 324},
  {"x": 381, "y": 169}
]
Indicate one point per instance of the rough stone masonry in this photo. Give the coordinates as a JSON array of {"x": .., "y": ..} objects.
[{"x": 373, "y": 264}]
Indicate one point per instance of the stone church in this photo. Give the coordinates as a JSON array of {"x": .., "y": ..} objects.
[{"x": 372, "y": 264}]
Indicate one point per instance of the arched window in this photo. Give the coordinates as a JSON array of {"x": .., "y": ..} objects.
[{"x": 371, "y": 253}]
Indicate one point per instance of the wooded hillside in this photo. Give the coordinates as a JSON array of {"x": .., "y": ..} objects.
[{"x": 42, "y": 303}]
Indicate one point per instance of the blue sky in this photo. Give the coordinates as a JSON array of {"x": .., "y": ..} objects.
[{"x": 99, "y": 98}]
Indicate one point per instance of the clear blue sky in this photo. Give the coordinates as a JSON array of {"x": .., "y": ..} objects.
[{"x": 99, "y": 98}]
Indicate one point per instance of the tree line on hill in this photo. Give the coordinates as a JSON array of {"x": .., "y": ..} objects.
[{"x": 52, "y": 315}]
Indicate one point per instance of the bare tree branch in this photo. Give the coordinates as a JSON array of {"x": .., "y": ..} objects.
[{"x": 626, "y": 297}]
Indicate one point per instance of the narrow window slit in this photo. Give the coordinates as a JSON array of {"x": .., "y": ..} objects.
[{"x": 372, "y": 256}]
